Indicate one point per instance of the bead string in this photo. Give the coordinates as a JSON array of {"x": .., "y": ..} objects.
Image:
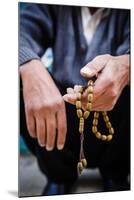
[{"x": 82, "y": 115}]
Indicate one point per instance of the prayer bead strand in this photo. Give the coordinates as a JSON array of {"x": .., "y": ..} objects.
[{"x": 82, "y": 115}]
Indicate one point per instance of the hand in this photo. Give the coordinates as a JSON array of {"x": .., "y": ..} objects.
[
  {"x": 112, "y": 76},
  {"x": 44, "y": 106}
]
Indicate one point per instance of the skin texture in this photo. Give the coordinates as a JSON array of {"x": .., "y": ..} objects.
[
  {"x": 112, "y": 76},
  {"x": 44, "y": 106}
]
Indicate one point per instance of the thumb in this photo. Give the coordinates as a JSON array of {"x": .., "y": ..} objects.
[{"x": 95, "y": 66}]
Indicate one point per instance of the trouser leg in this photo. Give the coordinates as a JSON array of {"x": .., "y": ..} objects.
[
  {"x": 115, "y": 161},
  {"x": 111, "y": 158},
  {"x": 59, "y": 166}
]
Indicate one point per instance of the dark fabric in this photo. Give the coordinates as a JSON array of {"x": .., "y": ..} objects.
[
  {"x": 60, "y": 27},
  {"x": 112, "y": 158}
]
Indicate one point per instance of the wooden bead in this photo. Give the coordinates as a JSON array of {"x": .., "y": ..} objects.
[
  {"x": 98, "y": 135},
  {"x": 90, "y": 82},
  {"x": 104, "y": 113},
  {"x": 81, "y": 125},
  {"x": 79, "y": 167},
  {"x": 109, "y": 138},
  {"x": 84, "y": 162},
  {"x": 82, "y": 120},
  {"x": 94, "y": 129},
  {"x": 86, "y": 114},
  {"x": 90, "y": 89},
  {"x": 108, "y": 125},
  {"x": 103, "y": 137},
  {"x": 111, "y": 130},
  {"x": 89, "y": 106},
  {"x": 80, "y": 89},
  {"x": 79, "y": 113},
  {"x": 90, "y": 97},
  {"x": 95, "y": 122},
  {"x": 78, "y": 104},
  {"x": 79, "y": 96},
  {"x": 81, "y": 128},
  {"x": 106, "y": 118},
  {"x": 96, "y": 115}
]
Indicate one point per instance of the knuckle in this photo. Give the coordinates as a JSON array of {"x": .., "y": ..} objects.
[
  {"x": 110, "y": 81},
  {"x": 102, "y": 56},
  {"x": 113, "y": 93},
  {"x": 52, "y": 125},
  {"x": 59, "y": 103},
  {"x": 29, "y": 108},
  {"x": 63, "y": 129}
]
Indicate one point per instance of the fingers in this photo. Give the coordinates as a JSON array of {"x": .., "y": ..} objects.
[
  {"x": 51, "y": 131},
  {"x": 70, "y": 98},
  {"x": 71, "y": 95},
  {"x": 105, "y": 82},
  {"x": 30, "y": 120},
  {"x": 41, "y": 131},
  {"x": 95, "y": 66},
  {"x": 62, "y": 128}
]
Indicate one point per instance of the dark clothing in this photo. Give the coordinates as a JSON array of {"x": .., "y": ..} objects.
[
  {"x": 60, "y": 27},
  {"x": 113, "y": 158}
]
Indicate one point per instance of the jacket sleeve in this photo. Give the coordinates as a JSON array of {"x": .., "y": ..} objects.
[
  {"x": 124, "y": 47},
  {"x": 36, "y": 31}
]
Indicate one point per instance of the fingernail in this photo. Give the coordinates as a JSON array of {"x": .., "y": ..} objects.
[
  {"x": 65, "y": 97},
  {"x": 70, "y": 91},
  {"x": 49, "y": 148},
  {"x": 42, "y": 145},
  {"x": 60, "y": 146},
  {"x": 86, "y": 70}
]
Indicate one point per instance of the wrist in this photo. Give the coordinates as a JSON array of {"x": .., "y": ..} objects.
[{"x": 27, "y": 67}]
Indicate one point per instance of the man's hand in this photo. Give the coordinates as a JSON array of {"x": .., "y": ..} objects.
[
  {"x": 112, "y": 76},
  {"x": 44, "y": 106}
]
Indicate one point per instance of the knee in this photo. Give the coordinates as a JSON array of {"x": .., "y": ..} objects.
[{"x": 58, "y": 166}]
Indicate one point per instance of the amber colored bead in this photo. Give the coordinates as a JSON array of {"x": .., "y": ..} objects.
[
  {"x": 89, "y": 106},
  {"x": 106, "y": 118},
  {"x": 81, "y": 120},
  {"x": 81, "y": 128},
  {"x": 103, "y": 137},
  {"x": 78, "y": 104},
  {"x": 79, "y": 167},
  {"x": 104, "y": 113},
  {"x": 94, "y": 129},
  {"x": 111, "y": 130},
  {"x": 96, "y": 115},
  {"x": 98, "y": 135},
  {"x": 90, "y": 89},
  {"x": 95, "y": 122},
  {"x": 79, "y": 96},
  {"x": 108, "y": 125},
  {"x": 90, "y": 82},
  {"x": 84, "y": 162},
  {"x": 90, "y": 97},
  {"x": 79, "y": 113},
  {"x": 109, "y": 138},
  {"x": 80, "y": 89},
  {"x": 86, "y": 114}
]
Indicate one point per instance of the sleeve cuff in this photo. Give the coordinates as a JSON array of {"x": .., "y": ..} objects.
[{"x": 26, "y": 54}]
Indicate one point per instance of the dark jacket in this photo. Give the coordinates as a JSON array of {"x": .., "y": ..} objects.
[{"x": 60, "y": 27}]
